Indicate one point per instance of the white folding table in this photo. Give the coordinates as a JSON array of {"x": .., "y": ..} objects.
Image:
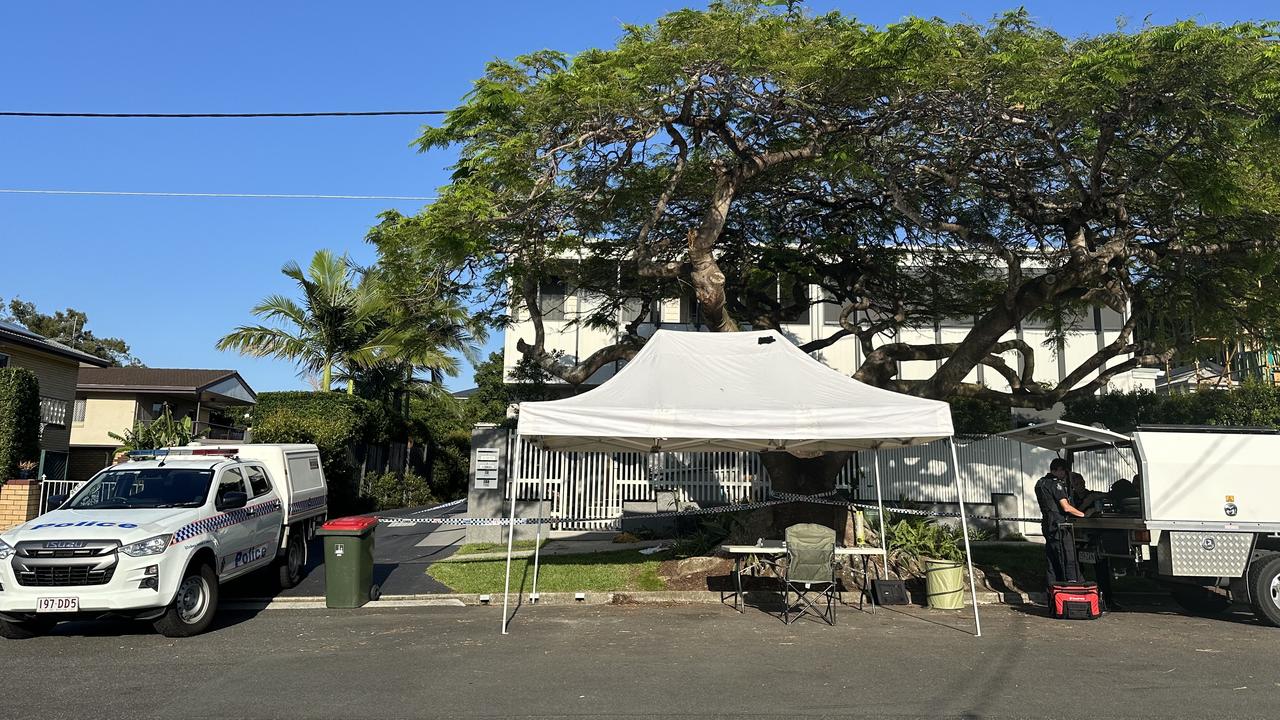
[{"x": 774, "y": 549}]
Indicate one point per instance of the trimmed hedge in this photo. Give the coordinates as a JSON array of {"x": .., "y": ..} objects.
[
  {"x": 1252, "y": 405},
  {"x": 336, "y": 423},
  {"x": 19, "y": 419}
]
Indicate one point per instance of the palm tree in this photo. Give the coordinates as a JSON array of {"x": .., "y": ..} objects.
[
  {"x": 420, "y": 337},
  {"x": 339, "y": 323}
]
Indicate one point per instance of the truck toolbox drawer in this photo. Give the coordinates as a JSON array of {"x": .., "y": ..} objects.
[{"x": 1204, "y": 553}]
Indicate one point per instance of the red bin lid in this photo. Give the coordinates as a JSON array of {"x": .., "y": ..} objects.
[{"x": 353, "y": 523}]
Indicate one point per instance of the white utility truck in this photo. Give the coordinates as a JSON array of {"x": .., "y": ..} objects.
[
  {"x": 152, "y": 538},
  {"x": 1205, "y": 518}
]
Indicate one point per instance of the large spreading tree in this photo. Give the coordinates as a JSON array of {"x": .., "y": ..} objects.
[
  {"x": 69, "y": 327},
  {"x": 924, "y": 170}
]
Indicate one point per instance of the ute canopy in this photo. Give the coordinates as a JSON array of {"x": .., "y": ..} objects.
[{"x": 754, "y": 391}]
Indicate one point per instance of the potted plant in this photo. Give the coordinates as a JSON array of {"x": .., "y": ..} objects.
[
  {"x": 26, "y": 469},
  {"x": 924, "y": 545},
  {"x": 944, "y": 572}
]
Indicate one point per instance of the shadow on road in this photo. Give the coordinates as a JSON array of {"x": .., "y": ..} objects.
[{"x": 123, "y": 627}]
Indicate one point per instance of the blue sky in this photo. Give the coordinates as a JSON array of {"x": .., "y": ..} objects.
[{"x": 171, "y": 276}]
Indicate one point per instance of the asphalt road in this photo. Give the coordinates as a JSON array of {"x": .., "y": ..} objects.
[
  {"x": 648, "y": 662},
  {"x": 400, "y": 556}
]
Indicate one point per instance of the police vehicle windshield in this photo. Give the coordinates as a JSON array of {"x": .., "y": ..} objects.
[{"x": 159, "y": 487}]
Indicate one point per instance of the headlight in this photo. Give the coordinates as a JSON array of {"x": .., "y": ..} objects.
[
  {"x": 6, "y": 550},
  {"x": 150, "y": 546}
]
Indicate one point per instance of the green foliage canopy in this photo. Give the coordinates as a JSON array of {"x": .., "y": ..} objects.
[
  {"x": 70, "y": 327},
  {"x": 919, "y": 171},
  {"x": 337, "y": 424}
]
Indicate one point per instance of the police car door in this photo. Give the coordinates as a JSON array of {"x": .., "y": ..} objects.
[
  {"x": 233, "y": 528},
  {"x": 268, "y": 517}
]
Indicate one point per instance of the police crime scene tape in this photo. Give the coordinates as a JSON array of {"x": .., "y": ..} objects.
[{"x": 777, "y": 499}]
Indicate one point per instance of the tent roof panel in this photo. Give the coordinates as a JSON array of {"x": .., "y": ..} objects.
[{"x": 732, "y": 391}]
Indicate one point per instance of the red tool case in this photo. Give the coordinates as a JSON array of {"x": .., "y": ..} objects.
[{"x": 1075, "y": 601}]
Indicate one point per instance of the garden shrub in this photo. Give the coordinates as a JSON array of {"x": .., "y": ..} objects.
[
  {"x": 1249, "y": 405},
  {"x": 388, "y": 491},
  {"x": 337, "y": 424},
  {"x": 19, "y": 419},
  {"x": 914, "y": 539},
  {"x": 978, "y": 416}
]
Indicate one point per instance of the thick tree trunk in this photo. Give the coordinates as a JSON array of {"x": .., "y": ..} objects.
[
  {"x": 706, "y": 277},
  {"x": 805, "y": 476}
]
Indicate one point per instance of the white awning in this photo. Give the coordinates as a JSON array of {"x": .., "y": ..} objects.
[
  {"x": 754, "y": 391},
  {"x": 1062, "y": 435}
]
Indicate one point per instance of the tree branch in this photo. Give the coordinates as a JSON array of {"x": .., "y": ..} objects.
[
  {"x": 644, "y": 255},
  {"x": 581, "y": 371}
]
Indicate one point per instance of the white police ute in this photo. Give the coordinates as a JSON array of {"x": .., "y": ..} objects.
[{"x": 152, "y": 538}]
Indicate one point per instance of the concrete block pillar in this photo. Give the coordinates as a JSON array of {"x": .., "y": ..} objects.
[
  {"x": 19, "y": 502},
  {"x": 485, "y": 491}
]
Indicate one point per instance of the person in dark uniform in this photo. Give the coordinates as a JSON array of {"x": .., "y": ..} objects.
[{"x": 1053, "y": 495}]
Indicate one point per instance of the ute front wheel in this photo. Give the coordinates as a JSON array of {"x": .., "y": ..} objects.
[{"x": 193, "y": 607}]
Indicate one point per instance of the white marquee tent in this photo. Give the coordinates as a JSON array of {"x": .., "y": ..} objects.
[{"x": 753, "y": 391}]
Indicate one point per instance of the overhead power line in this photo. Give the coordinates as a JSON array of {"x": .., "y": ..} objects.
[
  {"x": 270, "y": 196},
  {"x": 368, "y": 113}
]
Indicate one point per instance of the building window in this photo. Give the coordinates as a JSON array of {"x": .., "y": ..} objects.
[
  {"x": 630, "y": 310},
  {"x": 832, "y": 310},
  {"x": 4, "y": 360},
  {"x": 77, "y": 414},
  {"x": 53, "y": 411},
  {"x": 797, "y": 309},
  {"x": 551, "y": 298}
]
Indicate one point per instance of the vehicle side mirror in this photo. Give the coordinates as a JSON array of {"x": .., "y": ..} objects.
[
  {"x": 232, "y": 500},
  {"x": 57, "y": 501}
]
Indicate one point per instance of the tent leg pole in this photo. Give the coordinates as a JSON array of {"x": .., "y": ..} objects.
[
  {"x": 964, "y": 527},
  {"x": 537, "y": 542},
  {"x": 512, "y": 487},
  {"x": 884, "y": 540}
]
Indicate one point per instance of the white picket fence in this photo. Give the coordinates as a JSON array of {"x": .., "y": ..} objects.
[
  {"x": 53, "y": 488},
  {"x": 595, "y": 485}
]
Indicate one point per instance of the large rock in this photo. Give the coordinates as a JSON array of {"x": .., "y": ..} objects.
[{"x": 699, "y": 564}]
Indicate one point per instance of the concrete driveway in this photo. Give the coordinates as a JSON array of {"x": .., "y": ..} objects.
[
  {"x": 400, "y": 555},
  {"x": 651, "y": 663}
]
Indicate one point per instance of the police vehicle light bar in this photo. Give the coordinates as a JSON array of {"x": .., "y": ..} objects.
[
  {"x": 147, "y": 454},
  {"x": 225, "y": 452}
]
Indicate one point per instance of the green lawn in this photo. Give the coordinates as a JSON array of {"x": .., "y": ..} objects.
[
  {"x": 475, "y": 548},
  {"x": 596, "y": 572},
  {"x": 1024, "y": 563}
]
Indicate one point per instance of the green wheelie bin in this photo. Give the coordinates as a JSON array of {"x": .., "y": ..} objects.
[{"x": 348, "y": 561}]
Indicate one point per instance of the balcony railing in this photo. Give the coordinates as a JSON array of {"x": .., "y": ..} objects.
[
  {"x": 213, "y": 431},
  {"x": 218, "y": 432}
]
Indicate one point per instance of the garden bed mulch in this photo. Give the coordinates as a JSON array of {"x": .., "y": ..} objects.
[
  {"x": 718, "y": 577},
  {"x": 1018, "y": 570}
]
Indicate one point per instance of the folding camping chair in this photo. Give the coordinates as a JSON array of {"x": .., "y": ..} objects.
[{"x": 810, "y": 572}]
